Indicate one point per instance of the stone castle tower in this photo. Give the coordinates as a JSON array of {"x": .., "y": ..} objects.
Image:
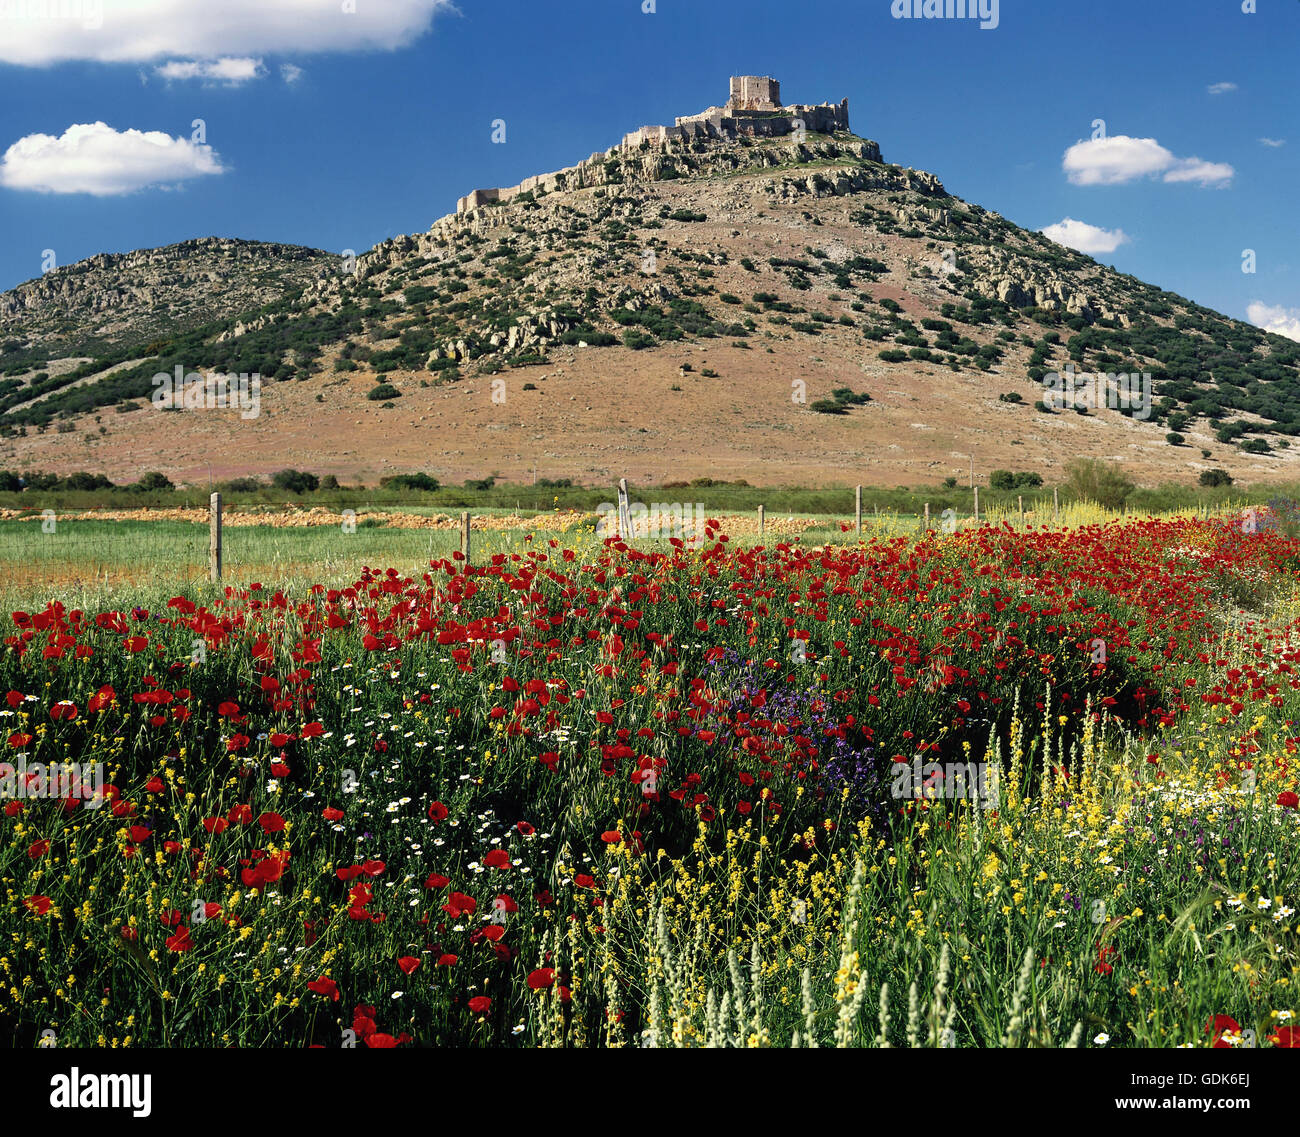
[{"x": 752, "y": 93}]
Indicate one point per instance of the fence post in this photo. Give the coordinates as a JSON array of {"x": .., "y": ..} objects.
[
  {"x": 214, "y": 538},
  {"x": 927, "y": 517},
  {"x": 464, "y": 536},
  {"x": 1056, "y": 506},
  {"x": 624, "y": 512},
  {"x": 857, "y": 509},
  {"x": 977, "y": 507},
  {"x": 1020, "y": 501},
  {"x": 762, "y": 520}
]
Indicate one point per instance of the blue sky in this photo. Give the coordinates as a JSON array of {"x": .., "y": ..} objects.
[{"x": 337, "y": 129}]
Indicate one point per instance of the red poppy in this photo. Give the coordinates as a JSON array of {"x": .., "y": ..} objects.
[
  {"x": 1218, "y": 1027},
  {"x": 1286, "y": 1036},
  {"x": 497, "y": 859},
  {"x": 458, "y": 904},
  {"x": 1288, "y": 799},
  {"x": 447, "y": 960},
  {"x": 541, "y": 978},
  {"x": 438, "y": 812},
  {"x": 480, "y": 1003},
  {"x": 38, "y": 904},
  {"x": 408, "y": 963},
  {"x": 332, "y": 814},
  {"x": 180, "y": 941},
  {"x": 38, "y": 848},
  {"x": 271, "y": 823}
]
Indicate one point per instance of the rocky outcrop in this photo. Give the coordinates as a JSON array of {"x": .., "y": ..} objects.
[{"x": 178, "y": 286}]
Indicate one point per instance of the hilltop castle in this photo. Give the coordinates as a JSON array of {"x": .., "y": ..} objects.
[{"x": 754, "y": 108}]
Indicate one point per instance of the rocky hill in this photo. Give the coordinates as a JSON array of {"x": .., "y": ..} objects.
[
  {"x": 117, "y": 300},
  {"x": 782, "y": 309}
]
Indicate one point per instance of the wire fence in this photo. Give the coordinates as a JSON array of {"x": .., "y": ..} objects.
[{"x": 328, "y": 540}]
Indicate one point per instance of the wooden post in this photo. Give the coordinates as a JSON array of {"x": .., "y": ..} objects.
[
  {"x": 624, "y": 513},
  {"x": 214, "y": 538},
  {"x": 857, "y": 509},
  {"x": 1056, "y": 505},
  {"x": 762, "y": 520},
  {"x": 972, "y": 471},
  {"x": 927, "y": 517},
  {"x": 464, "y": 536},
  {"x": 1020, "y": 501},
  {"x": 977, "y": 506}
]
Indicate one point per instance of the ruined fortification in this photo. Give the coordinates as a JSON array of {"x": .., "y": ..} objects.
[{"x": 753, "y": 108}]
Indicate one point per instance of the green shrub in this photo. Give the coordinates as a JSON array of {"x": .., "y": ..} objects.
[
  {"x": 1098, "y": 481},
  {"x": 410, "y": 482},
  {"x": 383, "y": 391},
  {"x": 153, "y": 481},
  {"x": 295, "y": 481}
]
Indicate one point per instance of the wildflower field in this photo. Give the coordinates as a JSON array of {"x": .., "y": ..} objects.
[{"x": 996, "y": 788}]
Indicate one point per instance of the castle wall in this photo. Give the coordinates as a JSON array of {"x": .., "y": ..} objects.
[{"x": 754, "y": 108}]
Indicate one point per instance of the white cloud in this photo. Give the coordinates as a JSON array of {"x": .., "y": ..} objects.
[
  {"x": 1084, "y": 237},
  {"x": 1221, "y": 88},
  {"x": 94, "y": 158},
  {"x": 1275, "y": 318},
  {"x": 1119, "y": 159},
  {"x": 36, "y": 32},
  {"x": 231, "y": 71},
  {"x": 1113, "y": 161},
  {"x": 290, "y": 73},
  {"x": 1195, "y": 170},
  {"x": 1274, "y": 143}
]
